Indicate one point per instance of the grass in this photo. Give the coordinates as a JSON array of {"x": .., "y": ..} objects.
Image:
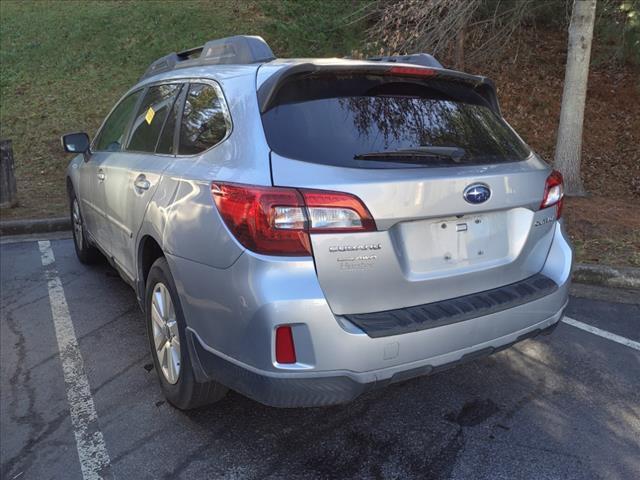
[{"x": 64, "y": 64}]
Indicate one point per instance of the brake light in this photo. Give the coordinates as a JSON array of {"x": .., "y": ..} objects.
[
  {"x": 277, "y": 221},
  {"x": 285, "y": 348},
  {"x": 553, "y": 193},
  {"x": 412, "y": 71}
]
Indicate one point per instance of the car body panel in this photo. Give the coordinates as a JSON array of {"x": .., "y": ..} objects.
[
  {"x": 125, "y": 203},
  {"x": 91, "y": 193}
]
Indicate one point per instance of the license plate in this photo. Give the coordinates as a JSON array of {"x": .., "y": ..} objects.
[{"x": 470, "y": 239}]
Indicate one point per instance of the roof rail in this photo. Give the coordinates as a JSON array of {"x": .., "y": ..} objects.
[
  {"x": 423, "y": 59},
  {"x": 240, "y": 49}
]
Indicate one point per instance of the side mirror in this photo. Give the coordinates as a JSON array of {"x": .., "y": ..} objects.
[{"x": 76, "y": 142}]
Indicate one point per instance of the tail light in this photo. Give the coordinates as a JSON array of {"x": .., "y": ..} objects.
[
  {"x": 553, "y": 193},
  {"x": 278, "y": 221}
]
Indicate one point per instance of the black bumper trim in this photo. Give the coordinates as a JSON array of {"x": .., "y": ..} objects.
[{"x": 446, "y": 312}]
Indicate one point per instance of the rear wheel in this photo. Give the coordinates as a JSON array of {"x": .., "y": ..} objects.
[
  {"x": 86, "y": 252},
  {"x": 167, "y": 340}
]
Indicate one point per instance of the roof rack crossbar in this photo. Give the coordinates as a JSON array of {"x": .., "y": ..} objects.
[
  {"x": 238, "y": 50},
  {"x": 190, "y": 53}
]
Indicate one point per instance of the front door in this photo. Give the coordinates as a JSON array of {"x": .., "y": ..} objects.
[
  {"x": 107, "y": 145},
  {"x": 90, "y": 195}
]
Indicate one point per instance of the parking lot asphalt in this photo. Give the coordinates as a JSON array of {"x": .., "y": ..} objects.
[{"x": 566, "y": 406}]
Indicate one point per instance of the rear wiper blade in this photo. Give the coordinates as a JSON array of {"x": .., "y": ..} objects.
[{"x": 411, "y": 154}]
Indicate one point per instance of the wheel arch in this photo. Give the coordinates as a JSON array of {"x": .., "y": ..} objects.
[
  {"x": 149, "y": 250},
  {"x": 70, "y": 186}
]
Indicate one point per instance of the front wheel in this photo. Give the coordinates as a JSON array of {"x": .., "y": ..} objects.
[
  {"x": 85, "y": 252},
  {"x": 167, "y": 340}
]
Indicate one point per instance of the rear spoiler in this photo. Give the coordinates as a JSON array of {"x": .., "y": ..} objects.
[{"x": 268, "y": 91}]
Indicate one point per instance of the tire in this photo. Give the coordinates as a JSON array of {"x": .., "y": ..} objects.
[
  {"x": 86, "y": 253},
  {"x": 168, "y": 343}
]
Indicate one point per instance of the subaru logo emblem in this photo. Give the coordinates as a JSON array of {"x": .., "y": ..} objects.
[{"x": 477, "y": 193}]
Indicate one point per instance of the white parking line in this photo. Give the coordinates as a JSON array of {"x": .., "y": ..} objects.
[
  {"x": 602, "y": 333},
  {"x": 92, "y": 451}
]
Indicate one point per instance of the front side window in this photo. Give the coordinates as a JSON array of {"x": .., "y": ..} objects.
[
  {"x": 111, "y": 137},
  {"x": 151, "y": 116},
  {"x": 204, "y": 120}
]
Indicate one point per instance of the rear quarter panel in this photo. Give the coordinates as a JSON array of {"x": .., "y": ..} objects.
[{"x": 182, "y": 216}]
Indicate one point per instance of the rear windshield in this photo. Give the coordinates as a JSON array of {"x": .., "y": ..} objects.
[{"x": 349, "y": 120}]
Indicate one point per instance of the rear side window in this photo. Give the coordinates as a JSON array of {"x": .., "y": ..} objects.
[
  {"x": 166, "y": 140},
  {"x": 148, "y": 122},
  {"x": 204, "y": 120},
  {"x": 347, "y": 120},
  {"x": 113, "y": 132}
]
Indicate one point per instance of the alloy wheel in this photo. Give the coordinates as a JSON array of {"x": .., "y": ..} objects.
[
  {"x": 165, "y": 333},
  {"x": 77, "y": 224}
]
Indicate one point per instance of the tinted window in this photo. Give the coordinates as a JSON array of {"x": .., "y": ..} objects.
[
  {"x": 203, "y": 121},
  {"x": 332, "y": 120},
  {"x": 113, "y": 132},
  {"x": 165, "y": 143},
  {"x": 149, "y": 120}
]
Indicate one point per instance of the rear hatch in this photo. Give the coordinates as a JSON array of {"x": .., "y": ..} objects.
[{"x": 453, "y": 191}]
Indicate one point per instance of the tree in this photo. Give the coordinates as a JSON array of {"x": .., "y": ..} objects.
[
  {"x": 569, "y": 144},
  {"x": 463, "y": 31}
]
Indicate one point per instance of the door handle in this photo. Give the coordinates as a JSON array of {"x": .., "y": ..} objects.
[
  {"x": 100, "y": 175},
  {"x": 142, "y": 183}
]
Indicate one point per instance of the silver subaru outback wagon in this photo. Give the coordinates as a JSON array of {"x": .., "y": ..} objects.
[{"x": 305, "y": 230}]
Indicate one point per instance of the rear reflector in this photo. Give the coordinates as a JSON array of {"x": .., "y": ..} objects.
[
  {"x": 278, "y": 221},
  {"x": 412, "y": 71},
  {"x": 553, "y": 192},
  {"x": 285, "y": 349}
]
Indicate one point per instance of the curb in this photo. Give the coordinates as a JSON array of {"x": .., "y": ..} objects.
[
  {"x": 618, "y": 277},
  {"x": 43, "y": 225},
  {"x": 603, "y": 275}
]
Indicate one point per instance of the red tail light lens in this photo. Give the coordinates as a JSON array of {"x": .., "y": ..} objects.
[
  {"x": 253, "y": 215},
  {"x": 285, "y": 349},
  {"x": 412, "y": 71},
  {"x": 277, "y": 221},
  {"x": 553, "y": 192}
]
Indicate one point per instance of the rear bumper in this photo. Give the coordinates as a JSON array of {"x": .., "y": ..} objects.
[
  {"x": 314, "y": 389},
  {"x": 232, "y": 315}
]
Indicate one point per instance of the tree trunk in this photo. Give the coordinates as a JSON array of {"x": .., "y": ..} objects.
[
  {"x": 459, "y": 49},
  {"x": 8, "y": 190},
  {"x": 569, "y": 145}
]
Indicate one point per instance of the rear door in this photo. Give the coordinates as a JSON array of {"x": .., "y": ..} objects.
[
  {"x": 132, "y": 175},
  {"x": 453, "y": 190}
]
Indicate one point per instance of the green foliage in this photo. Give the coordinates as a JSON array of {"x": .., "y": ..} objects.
[
  {"x": 617, "y": 32},
  {"x": 92, "y": 51},
  {"x": 298, "y": 28},
  {"x": 64, "y": 64}
]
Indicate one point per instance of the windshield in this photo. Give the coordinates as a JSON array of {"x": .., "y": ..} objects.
[{"x": 374, "y": 115}]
